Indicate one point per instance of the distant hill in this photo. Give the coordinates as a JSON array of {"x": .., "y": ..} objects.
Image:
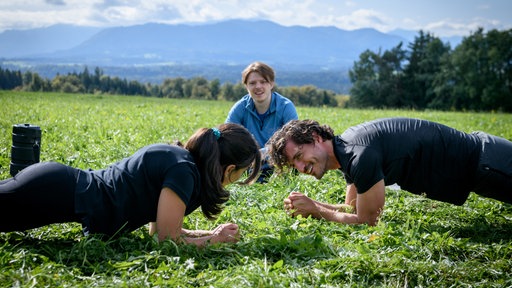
[
  {"x": 40, "y": 41},
  {"x": 229, "y": 42},
  {"x": 151, "y": 51}
]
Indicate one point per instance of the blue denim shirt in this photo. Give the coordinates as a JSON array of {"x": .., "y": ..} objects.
[{"x": 244, "y": 112}]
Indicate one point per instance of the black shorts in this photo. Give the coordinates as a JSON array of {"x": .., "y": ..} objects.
[{"x": 494, "y": 174}]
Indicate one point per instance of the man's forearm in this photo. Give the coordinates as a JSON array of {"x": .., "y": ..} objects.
[
  {"x": 335, "y": 215},
  {"x": 338, "y": 207}
]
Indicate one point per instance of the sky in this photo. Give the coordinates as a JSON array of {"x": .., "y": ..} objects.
[{"x": 443, "y": 18}]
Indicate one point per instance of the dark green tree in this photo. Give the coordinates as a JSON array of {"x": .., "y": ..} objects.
[
  {"x": 86, "y": 79},
  {"x": 425, "y": 58},
  {"x": 227, "y": 92},
  {"x": 214, "y": 87},
  {"x": 34, "y": 82},
  {"x": 10, "y": 79},
  {"x": 200, "y": 88},
  {"x": 239, "y": 90},
  {"x": 377, "y": 79},
  {"x": 479, "y": 73},
  {"x": 173, "y": 88},
  {"x": 364, "y": 76},
  {"x": 391, "y": 77},
  {"x": 444, "y": 87}
]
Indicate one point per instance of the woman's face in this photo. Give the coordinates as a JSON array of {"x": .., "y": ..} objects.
[
  {"x": 259, "y": 88},
  {"x": 232, "y": 175}
]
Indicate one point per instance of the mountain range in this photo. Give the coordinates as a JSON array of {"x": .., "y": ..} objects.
[{"x": 144, "y": 52}]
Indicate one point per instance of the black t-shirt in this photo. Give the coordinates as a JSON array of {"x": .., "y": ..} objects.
[
  {"x": 422, "y": 157},
  {"x": 125, "y": 195}
]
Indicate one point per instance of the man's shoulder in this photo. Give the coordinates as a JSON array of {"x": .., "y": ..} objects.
[
  {"x": 243, "y": 102},
  {"x": 281, "y": 98},
  {"x": 281, "y": 102}
]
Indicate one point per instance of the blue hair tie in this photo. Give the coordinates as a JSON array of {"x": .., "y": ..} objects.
[{"x": 216, "y": 132}]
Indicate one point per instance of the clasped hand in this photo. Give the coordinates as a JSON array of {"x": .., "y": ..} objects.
[{"x": 299, "y": 204}]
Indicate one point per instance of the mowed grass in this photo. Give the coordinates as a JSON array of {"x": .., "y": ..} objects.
[{"x": 418, "y": 243}]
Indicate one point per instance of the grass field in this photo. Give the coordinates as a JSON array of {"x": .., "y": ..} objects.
[{"x": 418, "y": 243}]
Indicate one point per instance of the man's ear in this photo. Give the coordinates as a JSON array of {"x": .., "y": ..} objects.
[{"x": 317, "y": 137}]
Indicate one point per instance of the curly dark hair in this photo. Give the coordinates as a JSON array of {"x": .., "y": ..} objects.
[{"x": 298, "y": 131}]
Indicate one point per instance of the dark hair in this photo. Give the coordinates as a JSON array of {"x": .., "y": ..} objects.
[
  {"x": 298, "y": 131},
  {"x": 234, "y": 146},
  {"x": 263, "y": 69}
]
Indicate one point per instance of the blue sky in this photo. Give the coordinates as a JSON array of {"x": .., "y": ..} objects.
[{"x": 441, "y": 17}]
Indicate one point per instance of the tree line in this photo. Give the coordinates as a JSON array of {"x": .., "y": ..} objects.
[
  {"x": 195, "y": 88},
  {"x": 476, "y": 75},
  {"x": 428, "y": 74}
]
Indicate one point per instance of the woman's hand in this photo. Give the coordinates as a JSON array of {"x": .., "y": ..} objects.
[{"x": 225, "y": 233}]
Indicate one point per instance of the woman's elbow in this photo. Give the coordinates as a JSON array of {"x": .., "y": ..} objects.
[{"x": 371, "y": 219}]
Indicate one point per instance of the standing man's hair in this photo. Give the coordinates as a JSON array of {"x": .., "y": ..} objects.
[{"x": 263, "y": 69}]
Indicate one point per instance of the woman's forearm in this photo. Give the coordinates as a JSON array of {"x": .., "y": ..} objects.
[
  {"x": 195, "y": 233},
  {"x": 199, "y": 241},
  {"x": 196, "y": 237}
]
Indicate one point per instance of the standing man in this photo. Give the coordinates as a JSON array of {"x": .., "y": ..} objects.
[
  {"x": 261, "y": 111},
  {"x": 423, "y": 157}
]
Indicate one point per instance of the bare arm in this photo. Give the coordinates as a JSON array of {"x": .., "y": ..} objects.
[
  {"x": 185, "y": 232},
  {"x": 351, "y": 196},
  {"x": 169, "y": 220},
  {"x": 368, "y": 206},
  {"x": 336, "y": 207},
  {"x": 349, "y": 206},
  {"x": 195, "y": 233}
]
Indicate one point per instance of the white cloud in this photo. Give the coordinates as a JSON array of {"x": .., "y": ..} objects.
[
  {"x": 55, "y": 2},
  {"x": 363, "y": 19},
  {"x": 450, "y": 27},
  {"x": 347, "y": 14}
]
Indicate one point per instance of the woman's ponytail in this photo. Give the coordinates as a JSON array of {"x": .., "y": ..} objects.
[{"x": 215, "y": 149}]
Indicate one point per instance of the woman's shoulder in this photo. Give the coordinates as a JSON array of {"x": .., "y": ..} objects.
[{"x": 164, "y": 151}]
